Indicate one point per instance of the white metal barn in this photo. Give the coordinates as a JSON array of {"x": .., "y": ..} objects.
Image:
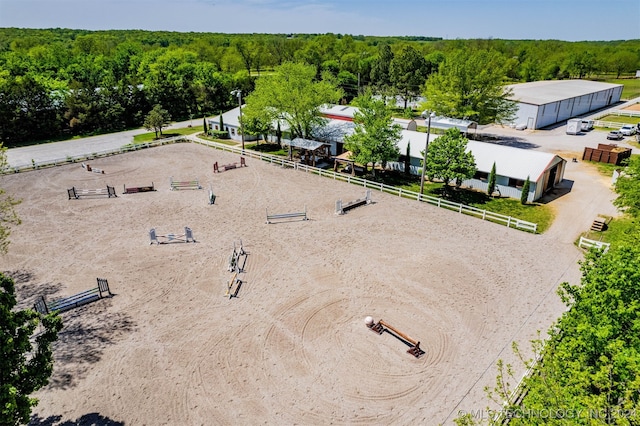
[
  {"x": 543, "y": 103},
  {"x": 513, "y": 165}
]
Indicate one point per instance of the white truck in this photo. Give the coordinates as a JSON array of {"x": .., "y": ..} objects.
[{"x": 574, "y": 126}]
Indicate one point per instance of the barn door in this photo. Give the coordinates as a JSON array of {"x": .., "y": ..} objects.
[{"x": 552, "y": 178}]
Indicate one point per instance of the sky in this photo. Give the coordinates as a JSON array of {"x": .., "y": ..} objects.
[{"x": 569, "y": 20}]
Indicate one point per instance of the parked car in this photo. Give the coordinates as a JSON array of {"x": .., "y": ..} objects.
[
  {"x": 628, "y": 130},
  {"x": 615, "y": 135}
]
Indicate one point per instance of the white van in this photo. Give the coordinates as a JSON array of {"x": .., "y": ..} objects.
[{"x": 587, "y": 125}]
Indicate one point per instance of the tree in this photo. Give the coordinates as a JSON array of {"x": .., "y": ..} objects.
[
  {"x": 23, "y": 368},
  {"x": 588, "y": 367},
  {"x": 292, "y": 94},
  {"x": 375, "y": 137},
  {"x": 157, "y": 119},
  {"x": 524, "y": 195},
  {"x": 622, "y": 61},
  {"x": 8, "y": 215},
  {"x": 469, "y": 85},
  {"x": 204, "y": 125},
  {"x": 380, "y": 78},
  {"x": 407, "y": 160},
  {"x": 448, "y": 159},
  {"x": 408, "y": 72},
  {"x": 592, "y": 357},
  {"x": 491, "y": 184},
  {"x": 628, "y": 188}
]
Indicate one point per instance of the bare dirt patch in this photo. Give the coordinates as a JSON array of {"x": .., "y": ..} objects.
[
  {"x": 169, "y": 348},
  {"x": 634, "y": 107}
]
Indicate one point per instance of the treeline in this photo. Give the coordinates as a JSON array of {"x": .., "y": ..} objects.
[{"x": 58, "y": 82}]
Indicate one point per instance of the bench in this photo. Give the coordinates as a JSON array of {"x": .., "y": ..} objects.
[
  {"x": 75, "y": 193},
  {"x": 70, "y": 302}
]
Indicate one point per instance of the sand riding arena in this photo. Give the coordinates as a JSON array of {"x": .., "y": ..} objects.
[{"x": 171, "y": 347}]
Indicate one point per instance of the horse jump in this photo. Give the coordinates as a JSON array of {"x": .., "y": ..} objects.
[
  {"x": 172, "y": 238},
  {"x": 235, "y": 263},
  {"x": 341, "y": 207},
  {"x": 185, "y": 184},
  {"x": 75, "y": 193},
  {"x": 64, "y": 304},
  {"x": 212, "y": 196},
  {"x": 234, "y": 281},
  {"x": 302, "y": 215},
  {"x": 381, "y": 326},
  {"x": 136, "y": 189},
  {"x": 92, "y": 169},
  {"x": 225, "y": 167}
]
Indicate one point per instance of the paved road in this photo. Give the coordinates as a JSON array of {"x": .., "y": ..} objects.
[
  {"x": 17, "y": 157},
  {"x": 551, "y": 140}
]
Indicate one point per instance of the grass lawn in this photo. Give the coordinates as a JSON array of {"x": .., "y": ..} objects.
[
  {"x": 631, "y": 87},
  {"x": 623, "y": 119},
  {"x": 229, "y": 142},
  {"x": 618, "y": 229},
  {"x": 542, "y": 214},
  {"x": 151, "y": 136}
]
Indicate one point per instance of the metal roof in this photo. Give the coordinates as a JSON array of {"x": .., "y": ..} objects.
[
  {"x": 307, "y": 144},
  {"x": 441, "y": 122},
  {"x": 512, "y": 162},
  {"x": 545, "y": 92}
]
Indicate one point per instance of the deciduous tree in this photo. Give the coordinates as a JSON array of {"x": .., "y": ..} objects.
[
  {"x": 448, "y": 159},
  {"x": 587, "y": 370},
  {"x": 375, "y": 137},
  {"x": 470, "y": 85},
  {"x": 23, "y": 368},
  {"x": 157, "y": 119},
  {"x": 293, "y": 95},
  {"x": 8, "y": 215},
  {"x": 628, "y": 188}
]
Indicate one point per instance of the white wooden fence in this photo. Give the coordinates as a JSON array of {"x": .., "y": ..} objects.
[
  {"x": 613, "y": 124},
  {"x": 508, "y": 221},
  {"x": 586, "y": 243}
]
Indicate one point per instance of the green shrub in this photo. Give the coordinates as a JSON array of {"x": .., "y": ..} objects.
[{"x": 219, "y": 134}]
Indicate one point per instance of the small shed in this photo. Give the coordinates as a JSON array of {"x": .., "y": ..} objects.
[{"x": 607, "y": 153}]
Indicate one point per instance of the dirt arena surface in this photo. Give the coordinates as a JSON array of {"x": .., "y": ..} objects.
[{"x": 170, "y": 349}]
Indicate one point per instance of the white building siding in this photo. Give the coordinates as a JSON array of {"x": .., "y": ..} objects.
[{"x": 558, "y": 101}]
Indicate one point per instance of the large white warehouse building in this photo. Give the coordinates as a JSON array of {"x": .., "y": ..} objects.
[{"x": 544, "y": 103}]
